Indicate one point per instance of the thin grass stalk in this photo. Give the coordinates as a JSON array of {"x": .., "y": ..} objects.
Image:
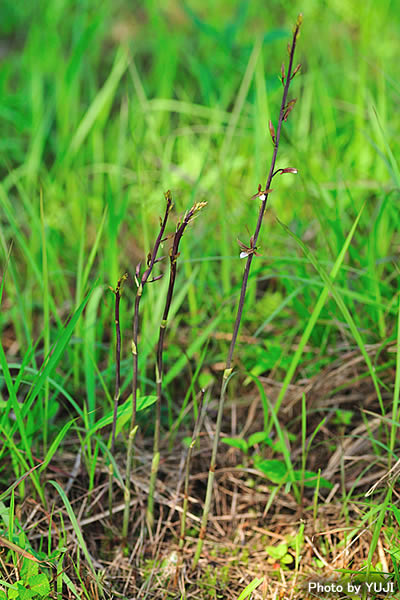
[
  {"x": 140, "y": 282},
  {"x": 117, "y": 393},
  {"x": 394, "y": 432},
  {"x": 46, "y": 320},
  {"x": 173, "y": 258},
  {"x": 250, "y": 252},
  {"x": 187, "y": 471}
]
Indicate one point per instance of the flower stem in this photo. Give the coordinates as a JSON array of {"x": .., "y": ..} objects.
[
  {"x": 228, "y": 368},
  {"x": 173, "y": 258},
  {"x": 117, "y": 392},
  {"x": 141, "y": 282}
]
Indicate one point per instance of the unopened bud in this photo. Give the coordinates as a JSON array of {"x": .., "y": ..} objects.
[
  {"x": 289, "y": 108},
  {"x": 272, "y": 130},
  {"x": 156, "y": 278},
  {"x": 289, "y": 170},
  {"x": 297, "y": 69}
]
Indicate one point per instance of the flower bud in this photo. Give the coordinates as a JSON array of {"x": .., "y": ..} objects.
[
  {"x": 271, "y": 131},
  {"x": 289, "y": 170}
]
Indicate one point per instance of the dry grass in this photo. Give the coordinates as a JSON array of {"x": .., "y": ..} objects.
[{"x": 243, "y": 524}]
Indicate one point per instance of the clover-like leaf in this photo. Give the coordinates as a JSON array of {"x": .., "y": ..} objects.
[
  {"x": 39, "y": 585},
  {"x": 236, "y": 443}
]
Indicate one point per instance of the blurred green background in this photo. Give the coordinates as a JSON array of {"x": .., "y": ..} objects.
[{"x": 106, "y": 105}]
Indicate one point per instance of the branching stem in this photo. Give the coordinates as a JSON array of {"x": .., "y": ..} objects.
[
  {"x": 173, "y": 258},
  {"x": 141, "y": 282},
  {"x": 228, "y": 368}
]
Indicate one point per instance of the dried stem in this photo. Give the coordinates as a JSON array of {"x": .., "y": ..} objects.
[
  {"x": 140, "y": 282},
  {"x": 283, "y": 114},
  {"x": 173, "y": 257}
]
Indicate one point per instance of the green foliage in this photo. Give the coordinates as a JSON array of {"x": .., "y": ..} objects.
[
  {"x": 288, "y": 552},
  {"x": 343, "y": 417},
  {"x": 249, "y": 589},
  {"x": 276, "y": 470},
  {"x": 123, "y": 414},
  {"x": 107, "y": 110},
  {"x": 34, "y": 583}
]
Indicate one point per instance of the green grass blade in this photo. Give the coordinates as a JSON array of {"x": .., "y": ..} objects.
[
  {"x": 249, "y": 589},
  {"x": 329, "y": 287},
  {"x": 99, "y": 103},
  {"x": 193, "y": 348},
  {"x": 74, "y": 522},
  {"x": 317, "y": 309},
  {"x": 55, "y": 356},
  {"x": 55, "y": 444},
  {"x": 395, "y": 405}
]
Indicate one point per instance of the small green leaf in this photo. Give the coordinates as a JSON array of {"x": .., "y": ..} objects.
[
  {"x": 236, "y": 443},
  {"x": 22, "y": 593},
  {"x": 343, "y": 417},
  {"x": 277, "y": 472},
  {"x": 287, "y": 559},
  {"x": 279, "y": 446},
  {"x": 274, "y": 469},
  {"x": 205, "y": 380},
  {"x": 260, "y": 437},
  {"x": 311, "y": 479},
  {"x": 13, "y": 594},
  {"x": 277, "y": 552},
  {"x": 29, "y": 569},
  {"x": 39, "y": 585}
]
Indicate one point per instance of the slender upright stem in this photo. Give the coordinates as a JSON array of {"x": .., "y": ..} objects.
[
  {"x": 173, "y": 257},
  {"x": 133, "y": 428},
  {"x": 228, "y": 366},
  {"x": 187, "y": 472},
  {"x": 117, "y": 391}
]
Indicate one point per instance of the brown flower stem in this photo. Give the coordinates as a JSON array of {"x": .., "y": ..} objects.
[
  {"x": 117, "y": 292},
  {"x": 133, "y": 428},
  {"x": 173, "y": 257},
  {"x": 228, "y": 368},
  {"x": 117, "y": 392}
]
